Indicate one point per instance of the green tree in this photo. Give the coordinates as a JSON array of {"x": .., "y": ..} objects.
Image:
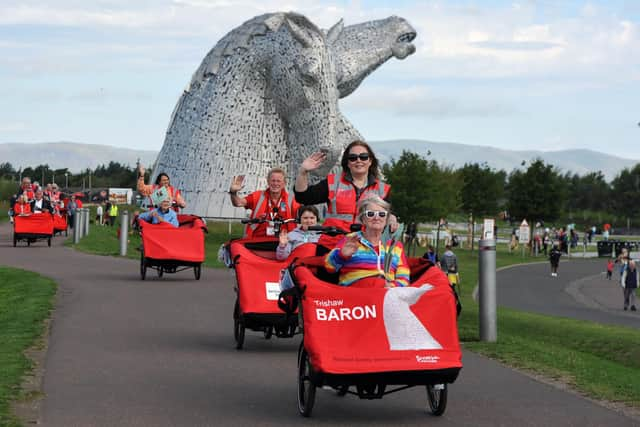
[
  {"x": 481, "y": 192},
  {"x": 7, "y": 171},
  {"x": 537, "y": 193},
  {"x": 588, "y": 192},
  {"x": 626, "y": 192},
  {"x": 421, "y": 190}
]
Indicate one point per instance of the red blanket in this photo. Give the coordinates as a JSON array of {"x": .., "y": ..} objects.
[
  {"x": 34, "y": 224},
  {"x": 355, "y": 330},
  {"x": 164, "y": 241},
  {"x": 258, "y": 273}
]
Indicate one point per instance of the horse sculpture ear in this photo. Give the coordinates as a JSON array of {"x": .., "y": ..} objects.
[
  {"x": 299, "y": 34},
  {"x": 334, "y": 32}
]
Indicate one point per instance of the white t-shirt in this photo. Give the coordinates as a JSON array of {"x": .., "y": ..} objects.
[{"x": 99, "y": 210}]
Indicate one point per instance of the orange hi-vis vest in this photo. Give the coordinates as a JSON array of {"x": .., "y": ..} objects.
[
  {"x": 342, "y": 204},
  {"x": 287, "y": 208}
]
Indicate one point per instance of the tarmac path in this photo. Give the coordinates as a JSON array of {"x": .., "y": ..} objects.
[
  {"x": 160, "y": 352},
  {"x": 580, "y": 291}
]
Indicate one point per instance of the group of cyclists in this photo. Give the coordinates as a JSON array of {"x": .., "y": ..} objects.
[
  {"x": 31, "y": 198},
  {"x": 356, "y": 195}
]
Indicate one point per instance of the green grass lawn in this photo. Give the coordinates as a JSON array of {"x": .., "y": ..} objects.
[
  {"x": 4, "y": 210},
  {"x": 26, "y": 300},
  {"x": 600, "y": 361}
]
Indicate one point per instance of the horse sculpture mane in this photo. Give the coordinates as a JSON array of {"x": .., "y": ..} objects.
[{"x": 266, "y": 95}]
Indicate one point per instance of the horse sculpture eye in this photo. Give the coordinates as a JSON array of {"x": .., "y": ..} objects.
[{"x": 308, "y": 79}]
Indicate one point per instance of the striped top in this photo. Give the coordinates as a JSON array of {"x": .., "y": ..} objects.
[{"x": 368, "y": 261}]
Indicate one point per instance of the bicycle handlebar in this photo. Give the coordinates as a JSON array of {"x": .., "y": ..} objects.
[
  {"x": 263, "y": 220},
  {"x": 334, "y": 231}
]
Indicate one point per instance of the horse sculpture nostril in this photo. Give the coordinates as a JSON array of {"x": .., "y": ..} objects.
[{"x": 407, "y": 37}]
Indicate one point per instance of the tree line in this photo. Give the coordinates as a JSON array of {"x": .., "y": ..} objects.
[
  {"x": 424, "y": 191},
  {"x": 112, "y": 175}
]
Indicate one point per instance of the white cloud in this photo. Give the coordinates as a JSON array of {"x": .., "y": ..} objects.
[
  {"x": 420, "y": 101},
  {"x": 8, "y": 127}
]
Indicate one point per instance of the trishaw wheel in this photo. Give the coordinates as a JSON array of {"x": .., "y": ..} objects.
[
  {"x": 160, "y": 271},
  {"x": 143, "y": 266},
  {"x": 437, "y": 395},
  {"x": 49, "y": 242},
  {"x": 197, "y": 270},
  {"x": 306, "y": 388},
  {"x": 15, "y": 240},
  {"x": 342, "y": 390},
  {"x": 268, "y": 332},
  {"x": 238, "y": 333}
]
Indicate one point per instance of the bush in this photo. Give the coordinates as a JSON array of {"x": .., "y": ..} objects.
[{"x": 7, "y": 188}]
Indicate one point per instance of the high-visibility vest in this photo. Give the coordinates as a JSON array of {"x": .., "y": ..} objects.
[
  {"x": 287, "y": 209},
  {"x": 113, "y": 210},
  {"x": 342, "y": 204}
]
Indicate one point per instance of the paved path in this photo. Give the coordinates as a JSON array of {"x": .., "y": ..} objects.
[
  {"x": 580, "y": 291},
  {"x": 123, "y": 352}
]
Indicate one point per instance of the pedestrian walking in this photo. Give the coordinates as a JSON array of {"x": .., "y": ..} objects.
[
  {"x": 113, "y": 214},
  {"x": 554, "y": 259},
  {"x": 449, "y": 264},
  {"x": 99, "y": 214},
  {"x": 630, "y": 282},
  {"x": 610, "y": 264}
]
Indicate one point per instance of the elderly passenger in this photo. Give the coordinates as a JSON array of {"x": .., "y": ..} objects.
[
  {"x": 164, "y": 213},
  {"x": 362, "y": 259}
]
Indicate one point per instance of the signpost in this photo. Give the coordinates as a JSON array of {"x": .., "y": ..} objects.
[
  {"x": 487, "y": 229},
  {"x": 524, "y": 234}
]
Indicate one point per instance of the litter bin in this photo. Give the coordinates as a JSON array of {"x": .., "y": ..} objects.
[
  {"x": 619, "y": 245},
  {"x": 605, "y": 248}
]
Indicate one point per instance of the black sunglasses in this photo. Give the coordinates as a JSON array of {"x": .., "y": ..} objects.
[{"x": 362, "y": 156}]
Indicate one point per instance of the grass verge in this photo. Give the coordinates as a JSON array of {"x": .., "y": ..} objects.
[
  {"x": 602, "y": 362},
  {"x": 26, "y": 300}
]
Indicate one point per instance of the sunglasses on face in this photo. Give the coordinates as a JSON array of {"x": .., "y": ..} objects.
[
  {"x": 372, "y": 214},
  {"x": 362, "y": 156}
]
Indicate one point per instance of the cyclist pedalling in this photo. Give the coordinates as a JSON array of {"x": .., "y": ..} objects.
[{"x": 270, "y": 204}]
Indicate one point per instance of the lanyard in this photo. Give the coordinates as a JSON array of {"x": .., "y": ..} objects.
[
  {"x": 273, "y": 213},
  {"x": 379, "y": 253}
]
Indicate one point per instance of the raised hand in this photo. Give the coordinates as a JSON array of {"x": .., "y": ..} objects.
[
  {"x": 141, "y": 170},
  {"x": 284, "y": 239},
  {"x": 236, "y": 183},
  {"x": 351, "y": 243},
  {"x": 314, "y": 161}
]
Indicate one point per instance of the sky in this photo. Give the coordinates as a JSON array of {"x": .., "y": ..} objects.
[{"x": 521, "y": 75}]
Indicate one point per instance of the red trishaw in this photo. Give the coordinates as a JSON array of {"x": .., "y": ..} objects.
[
  {"x": 60, "y": 222},
  {"x": 363, "y": 341},
  {"x": 168, "y": 249},
  {"x": 258, "y": 284},
  {"x": 33, "y": 227}
]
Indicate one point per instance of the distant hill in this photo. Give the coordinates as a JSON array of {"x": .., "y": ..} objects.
[
  {"x": 579, "y": 161},
  {"x": 77, "y": 157}
]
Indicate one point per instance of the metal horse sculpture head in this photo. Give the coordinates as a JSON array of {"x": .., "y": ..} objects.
[{"x": 267, "y": 95}]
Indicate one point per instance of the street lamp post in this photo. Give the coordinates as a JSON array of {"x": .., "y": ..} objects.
[
  {"x": 440, "y": 224},
  {"x": 66, "y": 181}
]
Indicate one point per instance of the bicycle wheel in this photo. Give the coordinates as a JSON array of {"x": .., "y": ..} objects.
[
  {"x": 143, "y": 266},
  {"x": 437, "y": 395},
  {"x": 306, "y": 388}
]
